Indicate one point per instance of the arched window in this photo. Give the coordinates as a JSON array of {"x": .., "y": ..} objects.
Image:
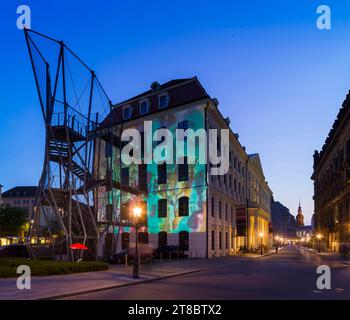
[
  {"x": 183, "y": 206},
  {"x": 184, "y": 240},
  {"x": 162, "y": 239}
]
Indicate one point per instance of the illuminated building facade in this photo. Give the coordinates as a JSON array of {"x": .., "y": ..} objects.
[
  {"x": 259, "y": 205},
  {"x": 183, "y": 205},
  {"x": 331, "y": 178}
]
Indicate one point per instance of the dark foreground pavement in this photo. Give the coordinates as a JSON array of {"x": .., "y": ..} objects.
[{"x": 291, "y": 274}]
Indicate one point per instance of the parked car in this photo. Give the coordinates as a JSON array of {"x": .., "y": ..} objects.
[
  {"x": 172, "y": 251},
  {"x": 145, "y": 252},
  {"x": 14, "y": 250}
]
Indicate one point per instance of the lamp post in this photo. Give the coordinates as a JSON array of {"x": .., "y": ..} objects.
[
  {"x": 319, "y": 236},
  {"x": 261, "y": 242},
  {"x": 137, "y": 214}
]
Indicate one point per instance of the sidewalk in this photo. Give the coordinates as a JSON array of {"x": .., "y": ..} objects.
[
  {"x": 328, "y": 256},
  {"x": 59, "y": 286},
  {"x": 258, "y": 255}
]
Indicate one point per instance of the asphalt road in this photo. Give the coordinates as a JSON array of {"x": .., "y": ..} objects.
[{"x": 290, "y": 274}]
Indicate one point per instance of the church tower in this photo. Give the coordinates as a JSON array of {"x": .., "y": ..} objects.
[{"x": 300, "y": 217}]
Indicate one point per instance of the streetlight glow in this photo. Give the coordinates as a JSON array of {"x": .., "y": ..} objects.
[{"x": 137, "y": 212}]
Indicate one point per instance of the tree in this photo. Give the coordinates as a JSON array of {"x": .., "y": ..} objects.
[{"x": 12, "y": 221}]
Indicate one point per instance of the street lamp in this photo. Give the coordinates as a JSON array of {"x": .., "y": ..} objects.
[
  {"x": 137, "y": 215},
  {"x": 319, "y": 236},
  {"x": 261, "y": 242}
]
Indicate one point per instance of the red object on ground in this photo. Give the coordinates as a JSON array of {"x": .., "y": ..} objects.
[{"x": 78, "y": 246}]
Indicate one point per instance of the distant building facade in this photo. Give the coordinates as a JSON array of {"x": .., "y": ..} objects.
[
  {"x": 20, "y": 197},
  {"x": 283, "y": 222},
  {"x": 331, "y": 178}
]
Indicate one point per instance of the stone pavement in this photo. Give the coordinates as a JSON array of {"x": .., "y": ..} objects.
[{"x": 51, "y": 287}]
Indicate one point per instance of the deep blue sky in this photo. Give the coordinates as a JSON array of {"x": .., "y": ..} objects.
[{"x": 279, "y": 79}]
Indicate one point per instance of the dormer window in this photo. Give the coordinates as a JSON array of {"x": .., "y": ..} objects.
[
  {"x": 127, "y": 113},
  {"x": 144, "y": 107},
  {"x": 163, "y": 101}
]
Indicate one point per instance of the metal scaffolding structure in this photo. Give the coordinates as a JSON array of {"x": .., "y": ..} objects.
[{"x": 66, "y": 202}]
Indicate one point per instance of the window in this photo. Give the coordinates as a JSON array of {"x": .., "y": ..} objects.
[
  {"x": 183, "y": 171},
  {"x": 162, "y": 239},
  {"x": 183, "y": 240},
  {"x": 235, "y": 185},
  {"x": 126, "y": 113},
  {"x": 162, "y": 208},
  {"x": 183, "y": 206},
  {"x": 183, "y": 125},
  {"x": 212, "y": 240},
  {"x": 125, "y": 240},
  {"x": 226, "y": 240},
  {"x": 226, "y": 212},
  {"x": 143, "y": 237},
  {"x": 220, "y": 240},
  {"x": 108, "y": 150},
  {"x": 109, "y": 212},
  {"x": 230, "y": 181},
  {"x": 125, "y": 176},
  {"x": 125, "y": 213},
  {"x": 162, "y": 173},
  {"x": 212, "y": 207},
  {"x": 143, "y": 107},
  {"x": 163, "y": 101},
  {"x": 219, "y": 209},
  {"x": 143, "y": 177}
]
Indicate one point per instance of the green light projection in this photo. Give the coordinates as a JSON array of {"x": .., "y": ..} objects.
[{"x": 194, "y": 188}]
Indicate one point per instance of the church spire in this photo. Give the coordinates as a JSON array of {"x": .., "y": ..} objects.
[{"x": 300, "y": 216}]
